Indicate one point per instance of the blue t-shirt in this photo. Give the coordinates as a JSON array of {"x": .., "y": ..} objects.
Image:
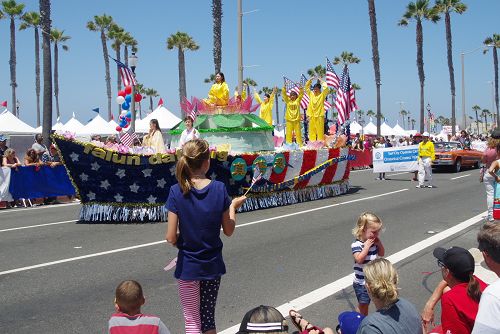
[{"x": 200, "y": 220}]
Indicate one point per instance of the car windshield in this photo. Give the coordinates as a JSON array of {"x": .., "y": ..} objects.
[{"x": 448, "y": 146}]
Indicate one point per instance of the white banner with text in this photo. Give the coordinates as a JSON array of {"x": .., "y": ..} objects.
[{"x": 395, "y": 159}]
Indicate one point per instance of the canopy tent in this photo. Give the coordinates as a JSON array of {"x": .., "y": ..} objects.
[
  {"x": 113, "y": 123},
  {"x": 399, "y": 131},
  {"x": 98, "y": 126},
  {"x": 355, "y": 127},
  {"x": 10, "y": 124},
  {"x": 386, "y": 130},
  {"x": 370, "y": 129},
  {"x": 73, "y": 125},
  {"x": 166, "y": 120},
  {"x": 58, "y": 126}
]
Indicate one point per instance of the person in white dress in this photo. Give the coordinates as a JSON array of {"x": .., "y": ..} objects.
[{"x": 189, "y": 133}]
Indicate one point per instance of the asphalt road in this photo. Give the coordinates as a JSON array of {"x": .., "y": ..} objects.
[{"x": 60, "y": 276}]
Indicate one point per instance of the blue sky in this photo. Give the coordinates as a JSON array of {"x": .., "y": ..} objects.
[{"x": 282, "y": 37}]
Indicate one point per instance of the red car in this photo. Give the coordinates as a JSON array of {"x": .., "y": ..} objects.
[{"x": 453, "y": 155}]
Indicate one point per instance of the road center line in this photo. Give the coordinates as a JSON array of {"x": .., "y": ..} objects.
[
  {"x": 71, "y": 259},
  {"x": 332, "y": 288},
  {"x": 459, "y": 177},
  {"x": 39, "y": 225}
]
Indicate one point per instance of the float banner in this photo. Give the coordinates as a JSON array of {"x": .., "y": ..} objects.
[{"x": 395, "y": 159}]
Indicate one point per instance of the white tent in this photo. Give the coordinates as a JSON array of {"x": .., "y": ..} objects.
[
  {"x": 399, "y": 131},
  {"x": 370, "y": 129},
  {"x": 73, "y": 125},
  {"x": 10, "y": 124},
  {"x": 98, "y": 126},
  {"x": 386, "y": 130},
  {"x": 58, "y": 126},
  {"x": 113, "y": 123},
  {"x": 355, "y": 127},
  {"x": 165, "y": 118}
]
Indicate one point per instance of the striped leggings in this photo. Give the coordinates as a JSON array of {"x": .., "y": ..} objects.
[{"x": 198, "y": 300}]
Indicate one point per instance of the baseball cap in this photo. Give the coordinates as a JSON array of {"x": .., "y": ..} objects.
[
  {"x": 349, "y": 322},
  {"x": 457, "y": 259},
  {"x": 425, "y": 134},
  {"x": 3, "y": 138},
  {"x": 270, "y": 320},
  {"x": 417, "y": 135},
  {"x": 495, "y": 134}
]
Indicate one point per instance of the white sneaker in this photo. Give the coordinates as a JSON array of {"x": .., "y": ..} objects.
[
  {"x": 419, "y": 186},
  {"x": 430, "y": 186}
]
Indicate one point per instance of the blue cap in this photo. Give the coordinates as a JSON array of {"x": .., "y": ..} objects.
[
  {"x": 3, "y": 138},
  {"x": 349, "y": 322}
]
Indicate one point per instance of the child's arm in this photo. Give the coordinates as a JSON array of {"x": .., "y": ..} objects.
[
  {"x": 381, "y": 249},
  {"x": 359, "y": 257},
  {"x": 428, "y": 311},
  {"x": 173, "y": 222},
  {"x": 229, "y": 216}
]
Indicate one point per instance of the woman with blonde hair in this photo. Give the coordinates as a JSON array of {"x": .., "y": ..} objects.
[{"x": 394, "y": 314}]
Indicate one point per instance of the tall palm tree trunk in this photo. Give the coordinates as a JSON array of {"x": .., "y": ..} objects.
[
  {"x": 182, "y": 75},
  {"x": 376, "y": 59},
  {"x": 217, "y": 17},
  {"x": 150, "y": 103},
  {"x": 421, "y": 75},
  {"x": 37, "y": 75},
  {"x": 108, "y": 76},
  {"x": 125, "y": 55},
  {"x": 495, "y": 64},
  {"x": 447, "y": 22},
  {"x": 12, "y": 63},
  {"x": 485, "y": 121},
  {"x": 118, "y": 77},
  {"x": 56, "y": 80},
  {"x": 47, "y": 69}
]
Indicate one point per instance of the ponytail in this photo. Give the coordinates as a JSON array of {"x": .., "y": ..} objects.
[
  {"x": 194, "y": 153},
  {"x": 183, "y": 175},
  {"x": 473, "y": 289}
]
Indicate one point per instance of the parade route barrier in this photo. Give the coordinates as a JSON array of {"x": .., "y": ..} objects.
[{"x": 363, "y": 158}]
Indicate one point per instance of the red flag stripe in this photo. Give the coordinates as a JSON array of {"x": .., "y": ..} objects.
[
  {"x": 330, "y": 171},
  {"x": 308, "y": 162}
]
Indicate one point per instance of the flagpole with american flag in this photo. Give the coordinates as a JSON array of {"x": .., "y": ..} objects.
[{"x": 257, "y": 175}]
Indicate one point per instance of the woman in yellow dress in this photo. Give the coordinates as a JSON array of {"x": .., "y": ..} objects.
[
  {"x": 266, "y": 106},
  {"x": 316, "y": 110},
  {"x": 218, "y": 95},
  {"x": 154, "y": 138},
  {"x": 292, "y": 115}
]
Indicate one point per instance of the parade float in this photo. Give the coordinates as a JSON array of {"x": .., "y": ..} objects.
[{"x": 115, "y": 185}]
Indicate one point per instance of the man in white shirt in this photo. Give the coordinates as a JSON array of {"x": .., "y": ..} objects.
[{"x": 488, "y": 316}]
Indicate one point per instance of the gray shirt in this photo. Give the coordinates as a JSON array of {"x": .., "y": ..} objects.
[
  {"x": 401, "y": 317},
  {"x": 39, "y": 148}
]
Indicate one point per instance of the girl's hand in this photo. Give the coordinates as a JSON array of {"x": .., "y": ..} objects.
[
  {"x": 497, "y": 178},
  {"x": 238, "y": 202}
]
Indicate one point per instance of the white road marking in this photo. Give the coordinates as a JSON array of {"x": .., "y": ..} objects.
[
  {"x": 54, "y": 206},
  {"x": 71, "y": 259},
  {"x": 39, "y": 225},
  {"x": 398, "y": 173},
  {"x": 361, "y": 170},
  {"x": 459, "y": 177},
  {"x": 330, "y": 289}
]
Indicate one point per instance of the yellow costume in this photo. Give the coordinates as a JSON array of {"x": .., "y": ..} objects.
[
  {"x": 316, "y": 112},
  {"x": 154, "y": 141},
  {"x": 243, "y": 94},
  {"x": 266, "y": 108},
  {"x": 218, "y": 94},
  {"x": 292, "y": 117},
  {"x": 426, "y": 150}
]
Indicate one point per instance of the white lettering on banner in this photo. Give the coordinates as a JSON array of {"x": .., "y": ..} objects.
[{"x": 395, "y": 159}]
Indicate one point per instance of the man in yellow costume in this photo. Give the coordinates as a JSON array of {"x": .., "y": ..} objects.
[
  {"x": 316, "y": 110},
  {"x": 266, "y": 106},
  {"x": 292, "y": 115},
  {"x": 218, "y": 95}
]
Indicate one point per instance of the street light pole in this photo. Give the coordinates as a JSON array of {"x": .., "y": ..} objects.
[
  {"x": 240, "y": 47},
  {"x": 428, "y": 118},
  {"x": 132, "y": 61}
]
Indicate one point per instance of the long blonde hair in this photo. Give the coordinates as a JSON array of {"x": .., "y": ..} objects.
[
  {"x": 382, "y": 280},
  {"x": 365, "y": 219},
  {"x": 194, "y": 153}
]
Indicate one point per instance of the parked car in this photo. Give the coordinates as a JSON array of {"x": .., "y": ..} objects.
[{"x": 453, "y": 155}]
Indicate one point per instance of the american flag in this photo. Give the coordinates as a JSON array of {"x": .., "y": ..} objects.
[
  {"x": 346, "y": 99},
  {"x": 332, "y": 80},
  {"x": 257, "y": 175},
  {"x": 128, "y": 78},
  {"x": 127, "y": 139},
  {"x": 193, "y": 112}
]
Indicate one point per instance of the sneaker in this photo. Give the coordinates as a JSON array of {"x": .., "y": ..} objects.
[
  {"x": 419, "y": 186},
  {"x": 430, "y": 186},
  {"x": 378, "y": 178},
  {"x": 383, "y": 179}
]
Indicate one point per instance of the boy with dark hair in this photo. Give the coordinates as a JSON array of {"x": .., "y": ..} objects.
[{"x": 128, "y": 318}]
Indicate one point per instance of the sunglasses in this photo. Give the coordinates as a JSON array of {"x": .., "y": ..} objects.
[{"x": 440, "y": 264}]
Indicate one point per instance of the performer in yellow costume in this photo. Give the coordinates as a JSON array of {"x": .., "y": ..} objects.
[
  {"x": 266, "y": 106},
  {"x": 292, "y": 115},
  {"x": 218, "y": 95},
  {"x": 316, "y": 110}
]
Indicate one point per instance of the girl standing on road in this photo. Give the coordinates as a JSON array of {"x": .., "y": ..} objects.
[
  {"x": 197, "y": 208},
  {"x": 489, "y": 156},
  {"x": 367, "y": 247}
]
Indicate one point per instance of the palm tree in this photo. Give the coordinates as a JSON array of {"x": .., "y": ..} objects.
[
  {"x": 318, "y": 71},
  {"x": 413, "y": 121},
  {"x": 139, "y": 89},
  {"x": 181, "y": 41},
  {"x": 128, "y": 40},
  {"x": 58, "y": 38},
  {"x": 217, "y": 18},
  {"x": 445, "y": 7},
  {"x": 419, "y": 11},
  {"x": 494, "y": 41},
  {"x": 47, "y": 70},
  {"x": 440, "y": 120},
  {"x": 346, "y": 58},
  {"x": 32, "y": 19},
  {"x": 14, "y": 10},
  {"x": 370, "y": 114},
  {"x": 211, "y": 78},
  {"x": 150, "y": 92},
  {"x": 403, "y": 114},
  {"x": 485, "y": 113},
  {"x": 117, "y": 34},
  {"x": 476, "y": 108},
  {"x": 102, "y": 24},
  {"x": 360, "y": 114},
  {"x": 375, "y": 55}
]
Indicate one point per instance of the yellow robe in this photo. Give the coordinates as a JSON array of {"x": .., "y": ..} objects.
[
  {"x": 218, "y": 94},
  {"x": 155, "y": 141},
  {"x": 266, "y": 108},
  {"x": 292, "y": 117},
  {"x": 426, "y": 150},
  {"x": 316, "y": 112}
]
